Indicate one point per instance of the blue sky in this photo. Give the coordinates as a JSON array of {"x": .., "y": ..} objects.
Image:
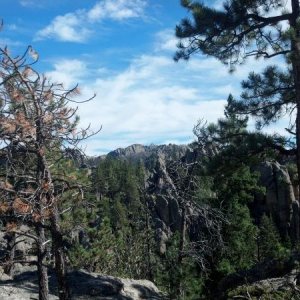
[{"x": 122, "y": 50}]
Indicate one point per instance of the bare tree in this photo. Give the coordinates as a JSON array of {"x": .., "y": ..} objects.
[
  {"x": 37, "y": 123},
  {"x": 182, "y": 179}
]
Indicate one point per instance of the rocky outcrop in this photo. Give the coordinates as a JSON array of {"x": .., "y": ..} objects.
[
  {"x": 167, "y": 201},
  {"x": 137, "y": 152},
  {"x": 163, "y": 200},
  {"x": 162, "y": 188},
  {"x": 84, "y": 286},
  {"x": 279, "y": 200}
]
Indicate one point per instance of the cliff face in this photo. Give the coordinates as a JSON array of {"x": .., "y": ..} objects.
[{"x": 280, "y": 201}]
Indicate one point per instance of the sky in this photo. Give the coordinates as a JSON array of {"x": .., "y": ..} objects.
[{"x": 122, "y": 50}]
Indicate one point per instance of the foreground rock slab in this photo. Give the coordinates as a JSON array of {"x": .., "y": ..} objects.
[{"x": 84, "y": 286}]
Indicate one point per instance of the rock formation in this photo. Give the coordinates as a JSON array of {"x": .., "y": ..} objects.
[
  {"x": 136, "y": 152},
  {"x": 279, "y": 202},
  {"x": 84, "y": 286}
]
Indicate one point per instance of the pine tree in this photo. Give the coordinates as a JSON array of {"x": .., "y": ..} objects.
[
  {"x": 230, "y": 153},
  {"x": 252, "y": 28},
  {"x": 268, "y": 243},
  {"x": 121, "y": 220}
]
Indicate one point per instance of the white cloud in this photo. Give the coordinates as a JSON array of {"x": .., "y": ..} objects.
[
  {"x": 75, "y": 26},
  {"x": 146, "y": 102},
  {"x": 153, "y": 99},
  {"x": 166, "y": 41},
  {"x": 68, "y": 71},
  {"x": 66, "y": 28},
  {"x": 117, "y": 10}
]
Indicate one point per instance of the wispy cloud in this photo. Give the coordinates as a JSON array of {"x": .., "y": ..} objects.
[
  {"x": 149, "y": 101},
  {"x": 153, "y": 99},
  {"x": 9, "y": 43},
  {"x": 146, "y": 102},
  {"x": 117, "y": 10},
  {"x": 69, "y": 72},
  {"x": 166, "y": 41},
  {"x": 27, "y": 2},
  {"x": 76, "y": 26},
  {"x": 33, "y": 3}
]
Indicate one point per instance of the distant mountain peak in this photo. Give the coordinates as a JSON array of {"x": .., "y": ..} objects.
[{"x": 139, "y": 151}]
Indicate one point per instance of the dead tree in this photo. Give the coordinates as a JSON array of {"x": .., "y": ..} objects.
[
  {"x": 183, "y": 185},
  {"x": 37, "y": 123}
]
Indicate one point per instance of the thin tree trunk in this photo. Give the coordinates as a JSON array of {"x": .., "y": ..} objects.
[
  {"x": 9, "y": 262},
  {"x": 150, "y": 275},
  {"x": 42, "y": 268},
  {"x": 182, "y": 243},
  {"x": 297, "y": 82},
  {"x": 59, "y": 256},
  {"x": 177, "y": 285},
  {"x": 296, "y": 73}
]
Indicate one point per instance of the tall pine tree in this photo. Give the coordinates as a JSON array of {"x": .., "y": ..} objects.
[{"x": 259, "y": 28}]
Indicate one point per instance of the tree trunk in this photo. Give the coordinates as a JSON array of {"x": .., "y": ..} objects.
[
  {"x": 182, "y": 243},
  {"x": 42, "y": 268},
  {"x": 59, "y": 257},
  {"x": 150, "y": 275},
  {"x": 9, "y": 261},
  {"x": 177, "y": 287},
  {"x": 296, "y": 73}
]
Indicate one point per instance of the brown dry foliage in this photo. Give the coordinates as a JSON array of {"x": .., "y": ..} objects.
[
  {"x": 20, "y": 207},
  {"x": 4, "y": 208},
  {"x": 11, "y": 226}
]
